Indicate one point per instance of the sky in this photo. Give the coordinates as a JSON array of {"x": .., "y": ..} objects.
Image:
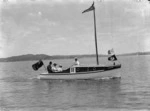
[{"x": 58, "y": 27}]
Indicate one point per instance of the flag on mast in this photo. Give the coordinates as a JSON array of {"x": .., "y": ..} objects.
[
  {"x": 112, "y": 58},
  {"x": 111, "y": 51},
  {"x": 112, "y": 55},
  {"x": 89, "y": 9}
]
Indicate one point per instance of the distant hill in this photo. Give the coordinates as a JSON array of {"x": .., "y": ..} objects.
[
  {"x": 27, "y": 57},
  {"x": 135, "y": 53},
  {"x": 30, "y": 57}
]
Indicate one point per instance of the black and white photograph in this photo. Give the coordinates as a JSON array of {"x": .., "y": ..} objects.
[{"x": 74, "y": 55}]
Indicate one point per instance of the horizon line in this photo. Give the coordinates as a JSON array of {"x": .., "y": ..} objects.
[{"x": 73, "y": 54}]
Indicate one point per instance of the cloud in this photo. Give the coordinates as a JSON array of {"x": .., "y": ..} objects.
[
  {"x": 2, "y": 42},
  {"x": 60, "y": 39},
  {"x": 39, "y": 13},
  {"x": 141, "y": 8},
  {"x": 146, "y": 43},
  {"x": 35, "y": 14}
]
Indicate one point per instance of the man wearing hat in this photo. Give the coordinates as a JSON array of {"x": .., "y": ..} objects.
[
  {"x": 76, "y": 63},
  {"x": 54, "y": 68},
  {"x": 49, "y": 67}
]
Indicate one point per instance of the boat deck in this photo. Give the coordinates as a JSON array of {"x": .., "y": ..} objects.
[{"x": 85, "y": 70}]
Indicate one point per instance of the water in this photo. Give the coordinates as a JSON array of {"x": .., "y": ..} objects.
[{"x": 20, "y": 90}]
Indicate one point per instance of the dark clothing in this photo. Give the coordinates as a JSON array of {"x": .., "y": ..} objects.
[{"x": 49, "y": 68}]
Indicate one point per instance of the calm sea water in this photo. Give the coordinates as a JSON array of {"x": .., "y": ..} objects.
[{"x": 20, "y": 90}]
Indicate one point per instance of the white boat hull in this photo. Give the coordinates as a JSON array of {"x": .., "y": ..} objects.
[{"x": 89, "y": 75}]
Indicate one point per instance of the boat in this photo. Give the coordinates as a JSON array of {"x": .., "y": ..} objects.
[{"x": 86, "y": 72}]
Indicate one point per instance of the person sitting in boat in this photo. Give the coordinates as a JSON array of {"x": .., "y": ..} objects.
[
  {"x": 54, "y": 68},
  {"x": 59, "y": 69},
  {"x": 49, "y": 67},
  {"x": 76, "y": 63}
]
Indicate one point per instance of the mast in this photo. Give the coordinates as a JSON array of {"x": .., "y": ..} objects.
[
  {"x": 95, "y": 37},
  {"x": 87, "y": 10}
]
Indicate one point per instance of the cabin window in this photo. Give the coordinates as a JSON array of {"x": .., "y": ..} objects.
[
  {"x": 77, "y": 69},
  {"x": 73, "y": 70},
  {"x": 94, "y": 68}
]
